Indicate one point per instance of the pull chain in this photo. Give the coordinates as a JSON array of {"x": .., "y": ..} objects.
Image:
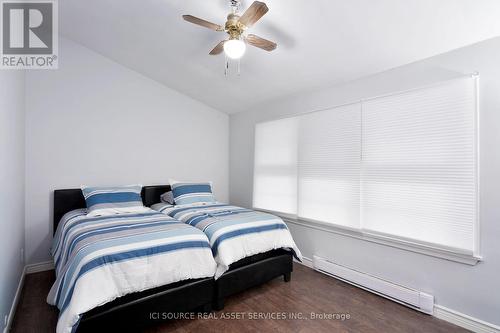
[{"x": 226, "y": 66}]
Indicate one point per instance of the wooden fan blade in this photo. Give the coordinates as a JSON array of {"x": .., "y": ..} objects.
[
  {"x": 203, "y": 23},
  {"x": 260, "y": 42},
  {"x": 218, "y": 48},
  {"x": 253, "y": 13}
]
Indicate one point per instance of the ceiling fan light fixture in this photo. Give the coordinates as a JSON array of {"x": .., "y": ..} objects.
[
  {"x": 234, "y": 48},
  {"x": 235, "y": 27}
]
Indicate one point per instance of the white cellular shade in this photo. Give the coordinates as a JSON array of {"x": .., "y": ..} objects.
[
  {"x": 418, "y": 178},
  {"x": 329, "y": 147},
  {"x": 403, "y": 166},
  {"x": 275, "y": 166}
]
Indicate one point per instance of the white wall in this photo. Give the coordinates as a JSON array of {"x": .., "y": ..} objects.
[
  {"x": 95, "y": 122},
  {"x": 12, "y": 181},
  {"x": 472, "y": 290}
]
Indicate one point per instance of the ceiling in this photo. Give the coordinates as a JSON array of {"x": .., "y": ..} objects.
[{"x": 320, "y": 42}]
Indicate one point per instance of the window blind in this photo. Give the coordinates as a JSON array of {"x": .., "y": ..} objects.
[
  {"x": 275, "y": 170},
  {"x": 329, "y": 147},
  {"x": 401, "y": 166},
  {"x": 418, "y": 177}
]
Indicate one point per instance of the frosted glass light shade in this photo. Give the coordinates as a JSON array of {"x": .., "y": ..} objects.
[{"x": 234, "y": 48}]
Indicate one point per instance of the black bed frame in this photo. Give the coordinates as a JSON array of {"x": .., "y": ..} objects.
[
  {"x": 243, "y": 274},
  {"x": 139, "y": 309}
]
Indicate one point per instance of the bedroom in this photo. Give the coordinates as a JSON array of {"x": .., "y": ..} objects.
[{"x": 358, "y": 138}]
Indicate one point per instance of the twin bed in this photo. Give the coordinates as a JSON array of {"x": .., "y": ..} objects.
[{"x": 129, "y": 270}]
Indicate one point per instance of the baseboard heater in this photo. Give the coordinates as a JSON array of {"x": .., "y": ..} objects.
[{"x": 409, "y": 297}]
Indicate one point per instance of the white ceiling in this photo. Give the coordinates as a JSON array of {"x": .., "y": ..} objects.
[{"x": 320, "y": 42}]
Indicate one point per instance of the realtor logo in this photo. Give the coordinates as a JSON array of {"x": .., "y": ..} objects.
[{"x": 29, "y": 34}]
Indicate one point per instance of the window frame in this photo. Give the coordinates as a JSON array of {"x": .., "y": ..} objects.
[{"x": 421, "y": 247}]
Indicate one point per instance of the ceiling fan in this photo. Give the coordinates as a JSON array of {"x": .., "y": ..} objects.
[{"x": 236, "y": 25}]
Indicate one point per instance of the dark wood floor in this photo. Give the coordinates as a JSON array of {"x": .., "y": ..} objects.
[{"x": 308, "y": 292}]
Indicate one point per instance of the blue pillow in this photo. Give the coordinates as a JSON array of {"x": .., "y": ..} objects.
[
  {"x": 188, "y": 193},
  {"x": 103, "y": 201}
]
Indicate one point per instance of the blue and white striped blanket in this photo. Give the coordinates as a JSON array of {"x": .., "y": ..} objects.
[
  {"x": 234, "y": 232},
  {"x": 98, "y": 259}
]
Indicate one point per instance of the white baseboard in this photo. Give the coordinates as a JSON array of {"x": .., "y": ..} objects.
[
  {"x": 465, "y": 321},
  {"x": 13, "y": 307},
  {"x": 28, "y": 269},
  {"x": 39, "y": 267},
  {"x": 441, "y": 312},
  {"x": 305, "y": 261},
  {"x": 451, "y": 316}
]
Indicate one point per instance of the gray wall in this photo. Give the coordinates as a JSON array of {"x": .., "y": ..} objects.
[
  {"x": 95, "y": 122},
  {"x": 472, "y": 290},
  {"x": 12, "y": 181}
]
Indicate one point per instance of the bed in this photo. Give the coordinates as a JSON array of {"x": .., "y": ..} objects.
[
  {"x": 248, "y": 270},
  {"x": 132, "y": 310}
]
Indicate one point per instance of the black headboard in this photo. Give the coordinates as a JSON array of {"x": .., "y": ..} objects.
[
  {"x": 65, "y": 201},
  {"x": 151, "y": 194},
  {"x": 70, "y": 199}
]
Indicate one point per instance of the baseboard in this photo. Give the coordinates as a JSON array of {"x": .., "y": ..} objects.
[
  {"x": 28, "y": 269},
  {"x": 441, "y": 312},
  {"x": 305, "y": 262},
  {"x": 465, "y": 321},
  {"x": 39, "y": 267},
  {"x": 13, "y": 307}
]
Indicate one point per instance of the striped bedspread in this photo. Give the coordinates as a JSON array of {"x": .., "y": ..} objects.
[
  {"x": 98, "y": 259},
  {"x": 234, "y": 232}
]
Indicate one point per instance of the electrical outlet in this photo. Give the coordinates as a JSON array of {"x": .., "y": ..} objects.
[{"x": 22, "y": 255}]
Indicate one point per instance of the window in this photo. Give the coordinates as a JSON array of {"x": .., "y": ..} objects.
[
  {"x": 275, "y": 170},
  {"x": 400, "y": 167},
  {"x": 418, "y": 165},
  {"x": 329, "y": 148}
]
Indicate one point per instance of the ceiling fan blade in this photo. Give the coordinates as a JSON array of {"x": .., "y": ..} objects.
[
  {"x": 253, "y": 13},
  {"x": 260, "y": 42},
  {"x": 218, "y": 48},
  {"x": 203, "y": 23}
]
